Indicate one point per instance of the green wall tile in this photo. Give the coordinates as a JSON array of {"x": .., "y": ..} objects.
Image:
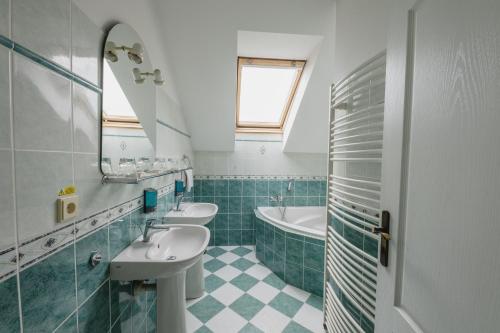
[
  {"x": 234, "y": 221},
  {"x": 69, "y": 326},
  {"x": 222, "y": 203},
  {"x": 234, "y": 204},
  {"x": 9, "y": 318},
  {"x": 247, "y": 237},
  {"x": 262, "y": 201},
  {"x": 294, "y": 251},
  {"x": 300, "y": 188},
  {"x": 221, "y": 188},
  {"x": 247, "y": 221},
  {"x": 93, "y": 315},
  {"x": 89, "y": 278},
  {"x": 221, "y": 237},
  {"x": 234, "y": 237},
  {"x": 207, "y": 188},
  {"x": 313, "y": 281},
  {"x": 274, "y": 187},
  {"x": 262, "y": 188},
  {"x": 235, "y": 188},
  {"x": 48, "y": 293},
  {"x": 314, "y": 256},
  {"x": 221, "y": 222},
  {"x": 294, "y": 275},
  {"x": 247, "y": 204},
  {"x": 249, "y": 188}
]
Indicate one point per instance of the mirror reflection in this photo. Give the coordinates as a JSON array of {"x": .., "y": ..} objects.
[{"x": 128, "y": 106}]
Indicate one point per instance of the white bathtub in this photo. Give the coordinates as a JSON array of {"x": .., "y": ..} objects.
[{"x": 306, "y": 221}]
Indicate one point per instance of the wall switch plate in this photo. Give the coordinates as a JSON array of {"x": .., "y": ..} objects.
[{"x": 67, "y": 207}]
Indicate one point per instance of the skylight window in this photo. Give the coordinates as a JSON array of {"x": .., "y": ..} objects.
[{"x": 266, "y": 88}]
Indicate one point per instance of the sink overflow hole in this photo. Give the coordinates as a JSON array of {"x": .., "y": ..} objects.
[{"x": 171, "y": 257}]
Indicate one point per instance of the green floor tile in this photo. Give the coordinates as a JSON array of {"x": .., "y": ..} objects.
[
  {"x": 207, "y": 308},
  {"x": 247, "y": 306},
  {"x": 244, "y": 281},
  {"x": 241, "y": 251},
  {"x": 213, "y": 282},
  {"x": 286, "y": 304},
  {"x": 214, "y": 265},
  {"x": 293, "y": 327},
  {"x": 203, "y": 329},
  {"x": 274, "y": 281},
  {"x": 315, "y": 301},
  {"x": 249, "y": 328},
  {"x": 216, "y": 251},
  {"x": 242, "y": 264}
]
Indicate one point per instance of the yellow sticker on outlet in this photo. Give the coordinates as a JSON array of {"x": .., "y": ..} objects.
[{"x": 70, "y": 189}]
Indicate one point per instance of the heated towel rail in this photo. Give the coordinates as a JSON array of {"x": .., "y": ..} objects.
[{"x": 354, "y": 185}]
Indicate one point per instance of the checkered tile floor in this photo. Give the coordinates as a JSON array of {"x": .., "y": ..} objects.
[{"x": 244, "y": 296}]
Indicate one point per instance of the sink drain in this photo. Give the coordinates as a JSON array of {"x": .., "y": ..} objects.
[{"x": 171, "y": 257}]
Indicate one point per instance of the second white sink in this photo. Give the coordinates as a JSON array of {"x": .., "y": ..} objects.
[{"x": 193, "y": 213}]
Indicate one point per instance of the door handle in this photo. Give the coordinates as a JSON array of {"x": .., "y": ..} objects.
[{"x": 385, "y": 237}]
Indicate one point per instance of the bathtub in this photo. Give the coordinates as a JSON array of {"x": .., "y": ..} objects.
[
  {"x": 305, "y": 221},
  {"x": 293, "y": 247}
]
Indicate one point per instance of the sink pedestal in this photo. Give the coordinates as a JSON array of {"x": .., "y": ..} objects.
[
  {"x": 171, "y": 311},
  {"x": 195, "y": 283}
]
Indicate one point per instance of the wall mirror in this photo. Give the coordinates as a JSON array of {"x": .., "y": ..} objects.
[{"x": 128, "y": 114}]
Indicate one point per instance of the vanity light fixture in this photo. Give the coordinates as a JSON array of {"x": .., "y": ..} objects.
[
  {"x": 135, "y": 53},
  {"x": 140, "y": 77}
]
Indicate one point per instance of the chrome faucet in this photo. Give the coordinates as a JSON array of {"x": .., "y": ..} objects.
[
  {"x": 146, "y": 237},
  {"x": 281, "y": 204},
  {"x": 180, "y": 199}
]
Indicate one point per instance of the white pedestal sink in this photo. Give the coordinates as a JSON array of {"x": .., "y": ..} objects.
[
  {"x": 198, "y": 214},
  {"x": 166, "y": 257}
]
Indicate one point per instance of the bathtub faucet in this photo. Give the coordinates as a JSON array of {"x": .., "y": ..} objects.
[{"x": 281, "y": 204}]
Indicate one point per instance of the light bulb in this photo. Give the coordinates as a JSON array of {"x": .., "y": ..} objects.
[
  {"x": 158, "y": 79},
  {"x": 137, "y": 76},
  {"x": 110, "y": 52},
  {"x": 135, "y": 54}
]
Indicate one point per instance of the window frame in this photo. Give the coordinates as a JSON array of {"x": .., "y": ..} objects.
[{"x": 262, "y": 127}]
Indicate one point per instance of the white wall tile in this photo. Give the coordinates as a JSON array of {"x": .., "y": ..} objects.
[
  {"x": 4, "y": 18},
  {"x": 86, "y": 43},
  {"x": 85, "y": 120},
  {"x": 39, "y": 177},
  {"x": 43, "y": 26},
  {"x": 7, "y": 234},
  {"x": 5, "y": 141},
  {"x": 42, "y": 107}
]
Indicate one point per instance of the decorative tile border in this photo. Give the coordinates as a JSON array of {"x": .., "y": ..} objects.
[
  {"x": 263, "y": 177},
  {"x": 37, "y": 248},
  {"x": 10, "y": 44}
]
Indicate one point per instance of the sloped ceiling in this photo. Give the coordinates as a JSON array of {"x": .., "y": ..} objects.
[
  {"x": 195, "y": 44},
  {"x": 201, "y": 42}
]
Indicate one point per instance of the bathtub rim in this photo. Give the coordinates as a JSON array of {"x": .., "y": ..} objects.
[{"x": 292, "y": 228}]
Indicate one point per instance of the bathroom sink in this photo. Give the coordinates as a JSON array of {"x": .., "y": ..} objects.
[
  {"x": 167, "y": 253},
  {"x": 193, "y": 213}
]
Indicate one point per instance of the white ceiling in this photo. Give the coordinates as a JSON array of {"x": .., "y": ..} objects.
[{"x": 197, "y": 44}]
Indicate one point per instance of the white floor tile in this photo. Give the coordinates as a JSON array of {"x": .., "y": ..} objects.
[
  {"x": 263, "y": 292},
  {"x": 270, "y": 320},
  {"x": 228, "y": 273},
  {"x": 192, "y": 323},
  {"x": 207, "y": 257},
  {"x": 258, "y": 271},
  {"x": 310, "y": 317},
  {"x": 299, "y": 294},
  {"x": 251, "y": 256},
  {"x": 226, "y": 321},
  {"x": 228, "y": 257},
  {"x": 227, "y": 294}
]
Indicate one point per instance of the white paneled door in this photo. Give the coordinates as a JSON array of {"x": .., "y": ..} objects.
[{"x": 441, "y": 168}]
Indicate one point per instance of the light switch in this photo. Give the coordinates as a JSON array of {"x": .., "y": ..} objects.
[{"x": 67, "y": 207}]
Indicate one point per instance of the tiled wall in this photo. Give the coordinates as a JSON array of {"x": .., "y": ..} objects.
[
  {"x": 296, "y": 259},
  {"x": 238, "y": 196},
  {"x": 49, "y": 138}
]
